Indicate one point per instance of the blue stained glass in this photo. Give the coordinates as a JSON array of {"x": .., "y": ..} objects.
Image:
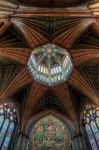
[
  {"x": 4, "y": 129},
  {"x": 95, "y": 131},
  {"x": 91, "y": 137},
  {"x": 1, "y": 111},
  {"x": 8, "y": 136},
  {"x": 1, "y": 120},
  {"x": 7, "y": 125}
]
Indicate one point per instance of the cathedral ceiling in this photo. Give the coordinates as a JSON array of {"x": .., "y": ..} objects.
[
  {"x": 52, "y": 3},
  {"x": 21, "y": 32}
]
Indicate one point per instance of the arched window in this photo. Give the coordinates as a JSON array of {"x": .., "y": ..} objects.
[
  {"x": 91, "y": 124},
  {"x": 49, "y": 133},
  {"x": 8, "y": 122}
]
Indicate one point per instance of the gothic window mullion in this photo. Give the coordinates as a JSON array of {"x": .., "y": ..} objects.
[
  {"x": 91, "y": 125},
  {"x": 94, "y": 136},
  {"x": 97, "y": 123},
  {"x": 97, "y": 119},
  {"x": 91, "y": 137},
  {"x": 5, "y": 135},
  {"x": 9, "y": 135},
  {"x": 7, "y": 125},
  {"x": 11, "y": 143},
  {"x": 1, "y": 124},
  {"x": 3, "y": 131},
  {"x": 86, "y": 136}
]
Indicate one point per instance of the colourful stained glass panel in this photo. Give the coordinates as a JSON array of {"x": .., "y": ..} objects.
[
  {"x": 1, "y": 120},
  {"x": 8, "y": 136},
  {"x": 91, "y": 121},
  {"x": 50, "y": 64},
  {"x": 91, "y": 138},
  {"x": 95, "y": 131},
  {"x": 7, "y": 124},
  {"x": 3, "y": 130}
]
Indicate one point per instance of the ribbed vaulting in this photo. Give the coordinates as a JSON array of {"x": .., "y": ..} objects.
[{"x": 72, "y": 25}]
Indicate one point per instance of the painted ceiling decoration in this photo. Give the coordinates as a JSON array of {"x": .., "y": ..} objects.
[
  {"x": 50, "y": 64},
  {"x": 29, "y": 32},
  {"x": 49, "y": 133}
]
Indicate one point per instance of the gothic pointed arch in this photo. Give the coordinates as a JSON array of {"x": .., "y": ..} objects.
[
  {"x": 8, "y": 123},
  {"x": 90, "y": 123},
  {"x": 49, "y": 129}
]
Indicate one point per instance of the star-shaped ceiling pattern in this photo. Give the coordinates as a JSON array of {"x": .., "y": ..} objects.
[
  {"x": 22, "y": 30},
  {"x": 50, "y": 64}
]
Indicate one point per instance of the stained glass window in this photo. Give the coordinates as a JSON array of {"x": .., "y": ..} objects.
[
  {"x": 8, "y": 122},
  {"x": 91, "y": 122},
  {"x": 50, "y": 64},
  {"x": 49, "y": 133},
  {"x": 91, "y": 137}
]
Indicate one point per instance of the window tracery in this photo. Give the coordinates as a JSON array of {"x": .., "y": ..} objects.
[
  {"x": 91, "y": 123},
  {"x": 8, "y": 121}
]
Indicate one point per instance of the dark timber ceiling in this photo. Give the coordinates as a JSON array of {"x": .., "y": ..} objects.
[
  {"x": 53, "y": 3},
  {"x": 20, "y": 34}
]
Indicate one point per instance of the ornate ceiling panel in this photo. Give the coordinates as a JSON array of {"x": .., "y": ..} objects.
[{"x": 21, "y": 33}]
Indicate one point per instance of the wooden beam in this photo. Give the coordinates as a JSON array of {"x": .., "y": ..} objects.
[
  {"x": 31, "y": 36},
  {"x": 84, "y": 14},
  {"x": 77, "y": 81},
  {"x": 19, "y": 55},
  {"x": 83, "y": 55},
  {"x": 37, "y": 90},
  {"x": 22, "y": 79}
]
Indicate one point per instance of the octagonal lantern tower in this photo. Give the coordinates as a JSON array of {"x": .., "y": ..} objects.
[{"x": 50, "y": 64}]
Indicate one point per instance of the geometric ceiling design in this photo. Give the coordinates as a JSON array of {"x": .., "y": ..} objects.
[
  {"x": 50, "y": 64},
  {"x": 23, "y": 28}
]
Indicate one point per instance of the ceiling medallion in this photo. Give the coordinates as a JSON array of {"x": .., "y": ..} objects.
[{"x": 50, "y": 64}]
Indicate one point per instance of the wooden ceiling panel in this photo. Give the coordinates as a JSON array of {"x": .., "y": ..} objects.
[
  {"x": 80, "y": 83},
  {"x": 37, "y": 90},
  {"x": 26, "y": 27},
  {"x": 19, "y": 55},
  {"x": 31, "y": 36},
  {"x": 53, "y": 3},
  {"x": 81, "y": 56},
  {"x": 20, "y": 80},
  {"x": 68, "y": 37}
]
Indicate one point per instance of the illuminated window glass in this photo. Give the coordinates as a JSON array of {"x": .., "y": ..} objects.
[
  {"x": 8, "y": 122},
  {"x": 91, "y": 122},
  {"x": 50, "y": 64},
  {"x": 91, "y": 137}
]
